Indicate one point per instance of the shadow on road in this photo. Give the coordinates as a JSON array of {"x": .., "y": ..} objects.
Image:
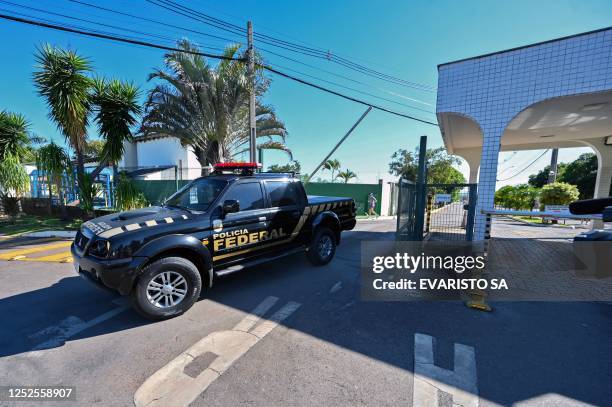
[{"x": 540, "y": 348}]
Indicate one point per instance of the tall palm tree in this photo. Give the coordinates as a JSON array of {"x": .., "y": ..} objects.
[
  {"x": 61, "y": 79},
  {"x": 54, "y": 161},
  {"x": 332, "y": 165},
  {"x": 14, "y": 136},
  {"x": 116, "y": 108},
  {"x": 207, "y": 107},
  {"x": 346, "y": 175}
]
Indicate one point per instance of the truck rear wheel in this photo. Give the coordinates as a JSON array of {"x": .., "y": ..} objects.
[
  {"x": 322, "y": 247},
  {"x": 167, "y": 288}
]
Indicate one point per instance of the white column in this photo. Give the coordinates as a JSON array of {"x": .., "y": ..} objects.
[
  {"x": 604, "y": 167},
  {"x": 488, "y": 175},
  {"x": 472, "y": 157}
]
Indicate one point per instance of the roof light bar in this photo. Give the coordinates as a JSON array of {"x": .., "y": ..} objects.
[{"x": 233, "y": 167}]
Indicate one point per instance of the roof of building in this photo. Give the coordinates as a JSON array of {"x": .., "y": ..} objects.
[{"x": 526, "y": 46}]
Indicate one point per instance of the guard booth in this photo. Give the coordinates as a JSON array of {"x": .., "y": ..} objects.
[{"x": 434, "y": 211}]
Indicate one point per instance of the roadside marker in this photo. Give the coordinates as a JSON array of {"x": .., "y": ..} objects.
[{"x": 433, "y": 385}]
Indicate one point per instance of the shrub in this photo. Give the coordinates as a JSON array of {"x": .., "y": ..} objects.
[
  {"x": 127, "y": 195},
  {"x": 88, "y": 190},
  {"x": 558, "y": 193}
]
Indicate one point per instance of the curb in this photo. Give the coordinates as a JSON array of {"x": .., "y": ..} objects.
[{"x": 51, "y": 233}]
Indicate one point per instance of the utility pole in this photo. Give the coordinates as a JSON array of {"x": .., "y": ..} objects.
[
  {"x": 552, "y": 174},
  {"x": 251, "y": 72}
]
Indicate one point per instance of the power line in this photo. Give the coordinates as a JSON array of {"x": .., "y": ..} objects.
[
  {"x": 354, "y": 90},
  {"x": 268, "y": 68},
  {"x": 151, "y": 20},
  {"x": 343, "y": 76},
  {"x": 524, "y": 169},
  {"x": 213, "y": 56},
  {"x": 268, "y": 51},
  {"x": 321, "y": 54},
  {"x": 114, "y": 38}
]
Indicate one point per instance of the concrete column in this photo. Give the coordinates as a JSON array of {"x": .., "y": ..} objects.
[
  {"x": 488, "y": 176},
  {"x": 604, "y": 167},
  {"x": 604, "y": 172},
  {"x": 472, "y": 156}
]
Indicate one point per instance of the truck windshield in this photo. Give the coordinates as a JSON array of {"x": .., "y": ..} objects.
[{"x": 198, "y": 195}]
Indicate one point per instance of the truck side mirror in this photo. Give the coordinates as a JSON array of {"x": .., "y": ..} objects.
[{"x": 230, "y": 206}]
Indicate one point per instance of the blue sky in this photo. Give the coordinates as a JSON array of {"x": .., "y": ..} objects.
[{"x": 406, "y": 39}]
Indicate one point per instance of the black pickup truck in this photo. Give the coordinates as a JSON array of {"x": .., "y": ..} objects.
[{"x": 163, "y": 256}]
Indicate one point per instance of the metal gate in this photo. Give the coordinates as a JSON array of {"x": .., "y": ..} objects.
[
  {"x": 406, "y": 210},
  {"x": 449, "y": 213},
  {"x": 434, "y": 211}
]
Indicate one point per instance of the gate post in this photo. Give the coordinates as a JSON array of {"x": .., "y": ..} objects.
[
  {"x": 420, "y": 190},
  {"x": 469, "y": 227}
]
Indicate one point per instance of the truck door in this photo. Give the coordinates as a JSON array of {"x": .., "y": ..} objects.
[
  {"x": 239, "y": 235},
  {"x": 286, "y": 217}
]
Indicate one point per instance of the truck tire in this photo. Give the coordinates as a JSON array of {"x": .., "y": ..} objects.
[
  {"x": 322, "y": 247},
  {"x": 167, "y": 288}
]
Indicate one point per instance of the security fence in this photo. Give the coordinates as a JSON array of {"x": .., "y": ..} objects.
[{"x": 449, "y": 213}]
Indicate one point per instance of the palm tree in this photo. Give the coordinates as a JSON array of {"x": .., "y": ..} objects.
[
  {"x": 54, "y": 161},
  {"x": 206, "y": 108},
  {"x": 346, "y": 175},
  {"x": 332, "y": 165},
  {"x": 115, "y": 104},
  {"x": 14, "y": 136},
  {"x": 61, "y": 79},
  {"x": 14, "y": 182}
]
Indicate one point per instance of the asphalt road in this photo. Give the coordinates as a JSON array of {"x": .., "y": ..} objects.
[{"x": 331, "y": 349}]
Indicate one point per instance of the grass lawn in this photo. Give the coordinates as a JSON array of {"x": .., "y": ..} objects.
[{"x": 30, "y": 223}]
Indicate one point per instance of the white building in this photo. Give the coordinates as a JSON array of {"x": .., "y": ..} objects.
[
  {"x": 556, "y": 93},
  {"x": 165, "y": 153}
]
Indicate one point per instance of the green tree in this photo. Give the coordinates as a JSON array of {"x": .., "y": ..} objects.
[
  {"x": 89, "y": 189},
  {"x": 519, "y": 197},
  {"x": 14, "y": 182},
  {"x": 332, "y": 165},
  {"x": 541, "y": 178},
  {"x": 14, "y": 135},
  {"x": 346, "y": 175},
  {"x": 440, "y": 166},
  {"x": 54, "y": 161},
  {"x": 293, "y": 167},
  {"x": 206, "y": 107},
  {"x": 116, "y": 109},
  {"x": 558, "y": 193},
  {"x": 61, "y": 79},
  {"x": 582, "y": 172}
]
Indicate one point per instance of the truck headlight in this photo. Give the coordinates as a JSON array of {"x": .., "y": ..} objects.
[{"x": 100, "y": 248}]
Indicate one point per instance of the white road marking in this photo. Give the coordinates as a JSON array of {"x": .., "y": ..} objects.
[
  {"x": 170, "y": 385},
  {"x": 336, "y": 287},
  {"x": 430, "y": 380},
  {"x": 68, "y": 328}
]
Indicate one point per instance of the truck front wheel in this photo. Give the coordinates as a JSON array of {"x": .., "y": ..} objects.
[
  {"x": 167, "y": 288},
  {"x": 322, "y": 247}
]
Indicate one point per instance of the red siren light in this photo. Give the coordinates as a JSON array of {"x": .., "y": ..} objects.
[{"x": 233, "y": 167}]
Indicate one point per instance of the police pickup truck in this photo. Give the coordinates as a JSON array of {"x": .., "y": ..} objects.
[{"x": 163, "y": 256}]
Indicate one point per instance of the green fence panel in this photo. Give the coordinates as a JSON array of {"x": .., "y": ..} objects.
[
  {"x": 157, "y": 191},
  {"x": 359, "y": 193}
]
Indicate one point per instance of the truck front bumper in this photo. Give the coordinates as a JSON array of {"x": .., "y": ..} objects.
[{"x": 117, "y": 275}]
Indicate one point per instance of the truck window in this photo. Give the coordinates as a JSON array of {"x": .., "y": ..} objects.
[
  {"x": 197, "y": 195},
  {"x": 248, "y": 195},
  {"x": 282, "y": 193}
]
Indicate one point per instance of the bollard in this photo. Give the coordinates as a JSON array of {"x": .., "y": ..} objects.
[{"x": 477, "y": 298}]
